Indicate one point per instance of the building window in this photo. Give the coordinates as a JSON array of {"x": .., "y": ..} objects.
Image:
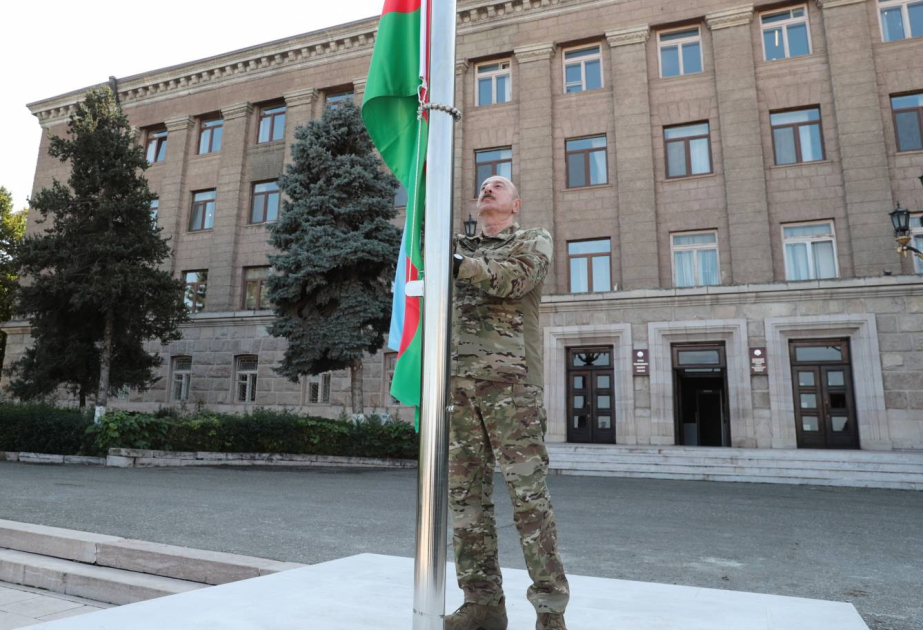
[
  {"x": 400, "y": 197},
  {"x": 494, "y": 84},
  {"x": 195, "y": 284},
  {"x": 688, "y": 150},
  {"x": 680, "y": 52},
  {"x": 797, "y": 136},
  {"x": 255, "y": 288},
  {"x": 810, "y": 251},
  {"x": 695, "y": 259},
  {"x": 590, "y": 265},
  {"x": 264, "y": 205},
  {"x": 202, "y": 216},
  {"x": 492, "y": 162},
  {"x": 908, "y": 121},
  {"x": 272, "y": 124},
  {"x": 900, "y": 19},
  {"x": 916, "y": 229},
  {"x": 390, "y": 363},
  {"x": 583, "y": 69},
  {"x": 586, "y": 162},
  {"x": 319, "y": 389},
  {"x": 335, "y": 100},
  {"x": 182, "y": 377},
  {"x": 155, "y": 210},
  {"x": 247, "y": 367},
  {"x": 786, "y": 34},
  {"x": 210, "y": 133},
  {"x": 156, "y": 146}
]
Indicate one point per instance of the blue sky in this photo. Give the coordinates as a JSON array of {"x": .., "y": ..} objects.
[{"x": 53, "y": 47}]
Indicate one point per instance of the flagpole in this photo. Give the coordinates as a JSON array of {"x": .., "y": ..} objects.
[{"x": 433, "y": 475}]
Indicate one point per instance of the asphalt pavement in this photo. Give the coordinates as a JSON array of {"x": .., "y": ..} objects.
[{"x": 856, "y": 545}]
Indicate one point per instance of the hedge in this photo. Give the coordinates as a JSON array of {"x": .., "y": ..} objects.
[{"x": 48, "y": 429}]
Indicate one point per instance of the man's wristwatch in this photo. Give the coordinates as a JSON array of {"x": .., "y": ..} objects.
[{"x": 456, "y": 264}]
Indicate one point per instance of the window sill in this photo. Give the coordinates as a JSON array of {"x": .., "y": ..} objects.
[
  {"x": 205, "y": 156},
  {"x": 691, "y": 77},
  {"x": 591, "y": 187},
  {"x": 205, "y": 231},
  {"x": 765, "y": 63},
  {"x": 155, "y": 164},
  {"x": 796, "y": 164},
  {"x": 672, "y": 180},
  {"x": 601, "y": 89},
  {"x": 270, "y": 144},
  {"x": 263, "y": 224},
  {"x": 898, "y": 154},
  {"x": 478, "y": 108}
]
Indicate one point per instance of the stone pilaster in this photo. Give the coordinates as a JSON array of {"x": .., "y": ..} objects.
[
  {"x": 536, "y": 148},
  {"x": 458, "y": 202},
  {"x": 742, "y": 144},
  {"x": 634, "y": 157},
  {"x": 181, "y": 143},
  {"x": 232, "y": 196},
  {"x": 299, "y": 109},
  {"x": 863, "y": 153},
  {"x": 359, "y": 90}
]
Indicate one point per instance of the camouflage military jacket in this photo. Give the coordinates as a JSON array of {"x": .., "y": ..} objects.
[{"x": 496, "y": 336}]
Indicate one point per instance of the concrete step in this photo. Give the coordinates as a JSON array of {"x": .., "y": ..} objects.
[
  {"x": 102, "y": 584},
  {"x": 865, "y": 469},
  {"x": 195, "y": 565}
]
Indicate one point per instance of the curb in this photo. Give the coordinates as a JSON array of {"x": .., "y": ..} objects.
[{"x": 142, "y": 458}]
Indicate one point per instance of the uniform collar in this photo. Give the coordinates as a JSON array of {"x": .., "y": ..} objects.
[{"x": 501, "y": 235}]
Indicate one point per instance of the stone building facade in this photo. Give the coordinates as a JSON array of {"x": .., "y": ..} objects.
[{"x": 716, "y": 177}]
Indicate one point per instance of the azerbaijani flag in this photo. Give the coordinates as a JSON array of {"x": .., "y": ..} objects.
[{"x": 396, "y": 87}]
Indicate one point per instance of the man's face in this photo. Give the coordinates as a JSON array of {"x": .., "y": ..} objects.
[{"x": 498, "y": 200}]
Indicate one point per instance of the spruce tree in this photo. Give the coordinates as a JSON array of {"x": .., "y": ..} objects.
[
  {"x": 12, "y": 228},
  {"x": 331, "y": 286},
  {"x": 95, "y": 291}
]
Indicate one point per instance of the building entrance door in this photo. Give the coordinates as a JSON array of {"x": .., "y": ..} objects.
[
  {"x": 700, "y": 395},
  {"x": 825, "y": 411},
  {"x": 590, "y": 396}
]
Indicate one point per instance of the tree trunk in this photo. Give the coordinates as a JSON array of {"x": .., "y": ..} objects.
[
  {"x": 105, "y": 363},
  {"x": 356, "y": 387}
]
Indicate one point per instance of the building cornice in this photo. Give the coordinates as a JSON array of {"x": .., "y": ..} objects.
[
  {"x": 736, "y": 16},
  {"x": 830, "y": 4},
  {"x": 627, "y": 36},
  {"x": 534, "y": 52},
  {"x": 179, "y": 123},
  {"x": 297, "y": 98},
  {"x": 237, "y": 110},
  {"x": 848, "y": 288}
]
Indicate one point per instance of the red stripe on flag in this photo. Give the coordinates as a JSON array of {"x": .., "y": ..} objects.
[
  {"x": 401, "y": 6},
  {"x": 411, "y": 312}
]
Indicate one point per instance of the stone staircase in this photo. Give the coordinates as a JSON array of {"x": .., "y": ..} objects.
[
  {"x": 115, "y": 570},
  {"x": 856, "y": 469}
]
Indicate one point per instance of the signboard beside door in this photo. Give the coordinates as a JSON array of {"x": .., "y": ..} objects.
[
  {"x": 640, "y": 362},
  {"x": 758, "y": 361}
]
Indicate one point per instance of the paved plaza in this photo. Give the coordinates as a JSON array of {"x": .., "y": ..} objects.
[
  {"x": 852, "y": 545},
  {"x": 21, "y": 606}
]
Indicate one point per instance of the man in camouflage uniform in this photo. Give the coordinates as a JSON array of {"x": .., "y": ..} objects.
[{"x": 498, "y": 415}]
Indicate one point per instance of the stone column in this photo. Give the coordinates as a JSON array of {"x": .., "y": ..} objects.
[
  {"x": 359, "y": 90},
  {"x": 181, "y": 143},
  {"x": 232, "y": 195},
  {"x": 863, "y": 154},
  {"x": 536, "y": 143},
  {"x": 460, "y": 212},
  {"x": 299, "y": 109},
  {"x": 742, "y": 144},
  {"x": 634, "y": 158}
]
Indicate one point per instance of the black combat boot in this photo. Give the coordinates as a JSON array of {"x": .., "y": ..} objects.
[{"x": 473, "y": 616}]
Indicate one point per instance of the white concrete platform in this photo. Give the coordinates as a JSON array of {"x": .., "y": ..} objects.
[{"x": 376, "y": 592}]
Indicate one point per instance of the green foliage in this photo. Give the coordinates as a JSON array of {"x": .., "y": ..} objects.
[
  {"x": 12, "y": 228},
  {"x": 47, "y": 429},
  {"x": 43, "y": 428},
  {"x": 331, "y": 289},
  {"x": 100, "y": 256}
]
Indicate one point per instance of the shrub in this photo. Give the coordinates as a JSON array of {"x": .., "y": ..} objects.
[{"x": 47, "y": 429}]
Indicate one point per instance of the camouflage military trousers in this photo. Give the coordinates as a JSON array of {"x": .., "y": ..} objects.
[{"x": 499, "y": 422}]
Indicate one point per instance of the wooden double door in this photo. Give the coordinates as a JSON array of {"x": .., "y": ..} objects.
[
  {"x": 825, "y": 410},
  {"x": 591, "y": 396}
]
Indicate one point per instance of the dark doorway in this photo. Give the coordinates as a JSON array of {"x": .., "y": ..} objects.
[
  {"x": 590, "y": 396},
  {"x": 825, "y": 410},
  {"x": 700, "y": 386}
]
